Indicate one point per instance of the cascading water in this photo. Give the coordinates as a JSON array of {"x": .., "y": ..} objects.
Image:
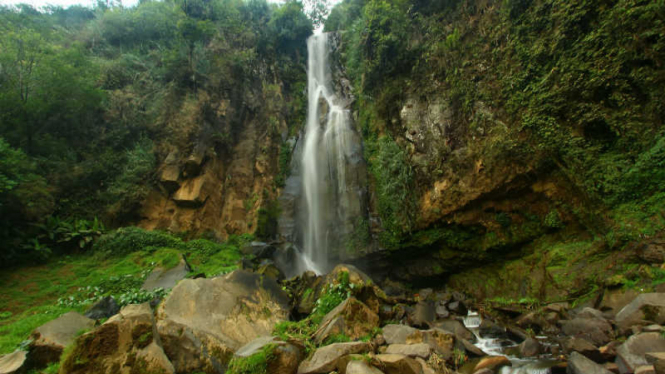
[
  {"x": 495, "y": 346},
  {"x": 328, "y": 143}
]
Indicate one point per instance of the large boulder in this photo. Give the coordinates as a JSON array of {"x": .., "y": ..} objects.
[
  {"x": 530, "y": 348},
  {"x": 325, "y": 359},
  {"x": 50, "y": 339},
  {"x": 597, "y": 331},
  {"x": 355, "y": 275},
  {"x": 13, "y": 363},
  {"x": 441, "y": 341},
  {"x": 203, "y": 321},
  {"x": 645, "y": 307},
  {"x": 583, "y": 346},
  {"x": 579, "y": 364},
  {"x": 351, "y": 318},
  {"x": 166, "y": 278},
  {"x": 423, "y": 314},
  {"x": 457, "y": 328},
  {"x": 283, "y": 357},
  {"x": 104, "y": 308},
  {"x": 632, "y": 353},
  {"x": 128, "y": 342}
]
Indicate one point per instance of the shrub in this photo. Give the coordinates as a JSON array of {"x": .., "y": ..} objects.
[{"x": 131, "y": 239}]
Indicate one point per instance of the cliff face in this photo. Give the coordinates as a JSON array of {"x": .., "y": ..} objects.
[{"x": 225, "y": 179}]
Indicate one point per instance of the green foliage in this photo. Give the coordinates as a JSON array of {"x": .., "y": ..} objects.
[
  {"x": 553, "y": 220},
  {"x": 131, "y": 239},
  {"x": 254, "y": 364},
  {"x": 333, "y": 295},
  {"x": 394, "y": 187}
]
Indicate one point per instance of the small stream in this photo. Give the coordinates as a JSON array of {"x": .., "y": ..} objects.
[{"x": 502, "y": 346}]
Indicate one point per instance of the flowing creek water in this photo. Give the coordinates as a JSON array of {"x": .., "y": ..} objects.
[{"x": 502, "y": 346}]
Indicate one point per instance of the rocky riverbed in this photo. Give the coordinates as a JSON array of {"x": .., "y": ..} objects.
[{"x": 256, "y": 321}]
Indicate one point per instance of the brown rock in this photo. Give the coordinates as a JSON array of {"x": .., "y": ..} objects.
[
  {"x": 283, "y": 359},
  {"x": 361, "y": 367},
  {"x": 456, "y": 328},
  {"x": 203, "y": 321},
  {"x": 647, "y": 369},
  {"x": 13, "y": 363},
  {"x": 128, "y": 339},
  {"x": 50, "y": 339},
  {"x": 583, "y": 346},
  {"x": 397, "y": 364},
  {"x": 530, "y": 348},
  {"x": 412, "y": 350},
  {"x": 645, "y": 307},
  {"x": 351, "y": 318},
  {"x": 578, "y": 364},
  {"x": 492, "y": 363},
  {"x": 193, "y": 193},
  {"x": 325, "y": 359},
  {"x": 169, "y": 178}
]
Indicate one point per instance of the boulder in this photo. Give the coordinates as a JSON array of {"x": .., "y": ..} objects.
[
  {"x": 492, "y": 363},
  {"x": 591, "y": 313},
  {"x": 13, "y": 363},
  {"x": 615, "y": 300},
  {"x": 128, "y": 339},
  {"x": 361, "y": 367},
  {"x": 632, "y": 353},
  {"x": 533, "y": 321},
  {"x": 104, "y": 308},
  {"x": 166, "y": 279},
  {"x": 579, "y": 364},
  {"x": 458, "y": 308},
  {"x": 645, "y": 307},
  {"x": 596, "y": 331},
  {"x": 491, "y": 329},
  {"x": 423, "y": 315},
  {"x": 425, "y": 366},
  {"x": 457, "y": 328},
  {"x": 583, "y": 346},
  {"x": 283, "y": 358},
  {"x": 269, "y": 269},
  {"x": 50, "y": 339},
  {"x": 530, "y": 348},
  {"x": 653, "y": 357},
  {"x": 203, "y": 321},
  {"x": 652, "y": 253},
  {"x": 441, "y": 311},
  {"x": 470, "y": 349},
  {"x": 659, "y": 366},
  {"x": 325, "y": 359},
  {"x": 412, "y": 350},
  {"x": 399, "y": 334},
  {"x": 355, "y": 275},
  {"x": 397, "y": 364},
  {"x": 351, "y": 318}
]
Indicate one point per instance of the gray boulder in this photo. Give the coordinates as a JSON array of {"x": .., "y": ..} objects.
[
  {"x": 457, "y": 328},
  {"x": 583, "y": 346},
  {"x": 579, "y": 364},
  {"x": 530, "y": 348},
  {"x": 632, "y": 353},
  {"x": 50, "y": 339},
  {"x": 597, "y": 331},
  {"x": 424, "y": 314},
  {"x": 166, "y": 279},
  {"x": 104, "y": 308},
  {"x": 645, "y": 307}
]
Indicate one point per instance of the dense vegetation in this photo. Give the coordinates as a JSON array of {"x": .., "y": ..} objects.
[
  {"x": 91, "y": 99},
  {"x": 570, "y": 89}
]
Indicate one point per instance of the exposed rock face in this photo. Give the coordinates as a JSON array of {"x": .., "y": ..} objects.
[
  {"x": 351, "y": 318},
  {"x": 203, "y": 321},
  {"x": 166, "y": 279},
  {"x": 13, "y": 363},
  {"x": 126, "y": 342},
  {"x": 50, "y": 339},
  {"x": 325, "y": 359}
]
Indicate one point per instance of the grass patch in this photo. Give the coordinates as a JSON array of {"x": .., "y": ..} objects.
[
  {"x": 254, "y": 364},
  {"x": 32, "y": 296}
]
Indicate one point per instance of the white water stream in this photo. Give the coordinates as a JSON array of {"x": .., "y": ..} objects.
[
  {"x": 326, "y": 146},
  {"x": 495, "y": 346}
]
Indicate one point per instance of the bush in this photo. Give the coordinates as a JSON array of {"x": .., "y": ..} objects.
[{"x": 131, "y": 239}]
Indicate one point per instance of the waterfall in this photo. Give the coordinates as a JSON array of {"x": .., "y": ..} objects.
[{"x": 327, "y": 144}]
